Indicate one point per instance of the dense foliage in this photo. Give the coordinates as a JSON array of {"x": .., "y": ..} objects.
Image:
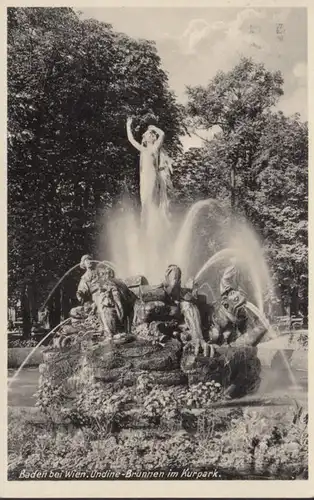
[
  {"x": 101, "y": 405},
  {"x": 252, "y": 444}
]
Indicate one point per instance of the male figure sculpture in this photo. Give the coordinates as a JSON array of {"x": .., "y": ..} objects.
[
  {"x": 88, "y": 284},
  {"x": 116, "y": 301},
  {"x": 112, "y": 298},
  {"x": 170, "y": 300},
  {"x": 232, "y": 314},
  {"x": 89, "y": 289},
  {"x": 186, "y": 301}
]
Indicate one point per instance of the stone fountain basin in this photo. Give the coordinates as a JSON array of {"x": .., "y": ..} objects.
[
  {"x": 274, "y": 372},
  {"x": 268, "y": 353}
]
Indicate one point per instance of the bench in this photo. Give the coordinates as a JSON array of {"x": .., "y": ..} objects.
[{"x": 292, "y": 322}]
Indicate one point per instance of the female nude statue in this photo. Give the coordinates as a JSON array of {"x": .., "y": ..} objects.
[{"x": 155, "y": 169}]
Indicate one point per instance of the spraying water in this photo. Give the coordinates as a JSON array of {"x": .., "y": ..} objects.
[
  {"x": 252, "y": 270},
  {"x": 147, "y": 246},
  {"x": 249, "y": 252},
  {"x": 271, "y": 332},
  {"x": 222, "y": 255},
  {"x": 34, "y": 349},
  {"x": 106, "y": 262},
  {"x": 57, "y": 284},
  {"x": 210, "y": 290},
  {"x": 140, "y": 246},
  {"x": 183, "y": 243}
]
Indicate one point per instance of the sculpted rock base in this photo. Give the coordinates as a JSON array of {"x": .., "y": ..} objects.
[
  {"x": 71, "y": 372},
  {"x": 109, "y": 362}
]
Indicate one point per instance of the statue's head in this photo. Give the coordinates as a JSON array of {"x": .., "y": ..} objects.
[
  {"x": 234, "y": 301},
  {"x": 104, "y": 271},
  {"x": 86, "y": 262},
  {"x": 173, "y": 276},
  {"x": 191, "y": 284},
  {"x": 149, "y": 137}
]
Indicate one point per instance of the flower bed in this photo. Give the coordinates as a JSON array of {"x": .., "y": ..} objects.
[{"x": 263, "y": 443}]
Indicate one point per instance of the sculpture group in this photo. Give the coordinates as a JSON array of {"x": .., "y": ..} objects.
[
  {"x": 180, "y": 337},
  {"x": 121, "y": 305},
  {"x": 192, "y": 339}
]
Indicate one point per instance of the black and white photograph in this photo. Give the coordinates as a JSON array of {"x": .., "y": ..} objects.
[{"x": 157, "y": 243}]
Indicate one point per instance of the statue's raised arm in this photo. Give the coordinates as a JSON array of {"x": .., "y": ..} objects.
[{"x": 130, "y": 135}]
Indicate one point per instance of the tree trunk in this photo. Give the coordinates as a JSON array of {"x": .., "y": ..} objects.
[
  {"x": 233, "y": 187},
  {"x": 294, "y": 301},
  {"x": 26, "y": 317},
  {"x": 65, "y": 301},
  {"x": 62, "y": 304},
  {"x": 54, "y": 309},
  {"x": 30, "y": 297}
]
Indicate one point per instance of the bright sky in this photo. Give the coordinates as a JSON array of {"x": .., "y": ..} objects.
[{"x": 194, "y": 43}]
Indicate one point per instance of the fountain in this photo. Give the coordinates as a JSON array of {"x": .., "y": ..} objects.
[
  {"x": 133, "y": 252},
  {"x": 148, "y": 245},
  {"x": 164, "y": 242}
]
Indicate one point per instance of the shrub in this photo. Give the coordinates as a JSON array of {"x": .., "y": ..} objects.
[{"x": 261, "y": 443}]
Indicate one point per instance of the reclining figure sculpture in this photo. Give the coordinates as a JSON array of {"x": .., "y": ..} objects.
[
  {"x": 170, "y": 301},
  {"x": 100, "y": 292},
  {"x": 123, "y": 305},
  {"x": 202, "y": 341},
  {"x": 120, "y": 305}
]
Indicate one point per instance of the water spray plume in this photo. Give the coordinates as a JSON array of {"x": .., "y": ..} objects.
[
  {"x": 184, "y": 240},
  {"x": 271, "y": 332},
  {"x": 106, "y": 262},
  {"x": 57, "y": 284},
  {"x": 149, "y": 248},
  {"x": 35, "y": 348},
  {"x": 222, "y": 255},
  {"x": 209, "y": 289},
  {"x": 244, "y": 240},
  {"x": 140, "y": 247}
]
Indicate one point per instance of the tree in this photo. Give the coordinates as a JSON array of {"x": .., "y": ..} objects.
[
  {"x": 71, "y": 85},
  {"x": 267, "y": 153},
  {"x": 236, "y": 101},
  {"x": 276, "y": 200},
  {"x": 199, "y": 174}
]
